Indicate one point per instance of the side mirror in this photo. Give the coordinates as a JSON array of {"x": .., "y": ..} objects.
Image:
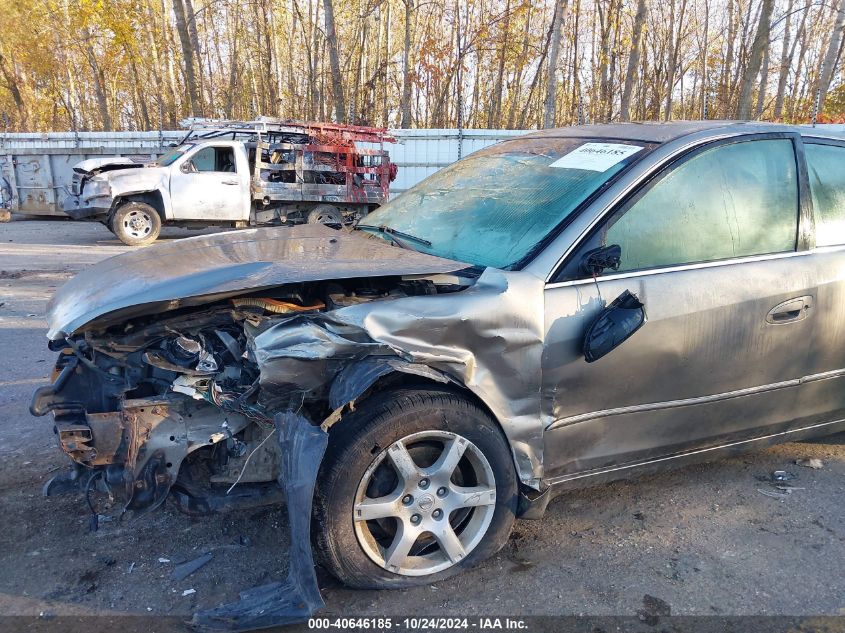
[
  {"x": 597, "y": 260},
  {"x": 187, "y": 167},
  {"x": 613, "y": 326}
]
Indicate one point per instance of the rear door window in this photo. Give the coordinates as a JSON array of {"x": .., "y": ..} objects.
[{"x": 826, "y": 168}]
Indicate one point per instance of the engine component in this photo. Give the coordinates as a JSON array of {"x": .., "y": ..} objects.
[
  {"x": 183, "y": 351},
  {"x": 275, "y": 306}
]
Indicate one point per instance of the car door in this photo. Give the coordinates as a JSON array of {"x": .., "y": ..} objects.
[
  {"x": 207, "y": 184},
  {"x": 823, "y": 399},
  {"x": 711, "y": 247}
]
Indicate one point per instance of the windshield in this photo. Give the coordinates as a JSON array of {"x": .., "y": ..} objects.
[
  {"x": 173, "y": 155},
  {"x": 495, "y": 206}
]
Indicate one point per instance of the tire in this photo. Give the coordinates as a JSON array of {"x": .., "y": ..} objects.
[
  {"x": 136, "y": 224},
  {"x": 360, "y": 453},
  {"x": 325, "y": 214}
]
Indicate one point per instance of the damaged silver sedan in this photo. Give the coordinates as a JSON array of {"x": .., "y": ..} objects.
[{"x": 569, "y": 307}]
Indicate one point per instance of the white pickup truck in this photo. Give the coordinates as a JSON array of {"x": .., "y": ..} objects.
[{"x": 237, "y": 174}]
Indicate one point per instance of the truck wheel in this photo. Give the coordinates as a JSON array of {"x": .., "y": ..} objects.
[
  {"x": 136, "y": 224},
  {"x": 416, "y": 486},
  {"x": 325, "y": 214}
]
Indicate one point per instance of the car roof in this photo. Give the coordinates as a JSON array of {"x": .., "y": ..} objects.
[{"x": 655, "y": 132}]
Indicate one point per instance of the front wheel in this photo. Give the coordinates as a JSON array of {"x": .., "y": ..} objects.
[
  {"x": 416, "y": 486},
  {"x": 136, "y": 224}
]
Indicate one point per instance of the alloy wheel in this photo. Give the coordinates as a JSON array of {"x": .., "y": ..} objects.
[{"x": 424, "y": 503}]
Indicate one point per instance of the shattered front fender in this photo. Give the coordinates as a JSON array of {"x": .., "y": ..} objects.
[{"x": 487, "y": 338}]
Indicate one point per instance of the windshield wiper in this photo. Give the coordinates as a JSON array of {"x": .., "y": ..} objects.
[{"x": 394, "y": 233}]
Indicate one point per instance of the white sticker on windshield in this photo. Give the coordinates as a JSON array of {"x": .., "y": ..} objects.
[{"x": 595, "y": 156}]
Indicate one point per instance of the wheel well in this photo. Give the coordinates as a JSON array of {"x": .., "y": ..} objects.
[
  {"x": 152, "y": 198},
  {"x": 398, "y": 379}
]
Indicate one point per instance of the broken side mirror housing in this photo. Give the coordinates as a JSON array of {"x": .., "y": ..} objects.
[
  {"x": 614, "y": 325},
  {"x": 596, "y": 261}
]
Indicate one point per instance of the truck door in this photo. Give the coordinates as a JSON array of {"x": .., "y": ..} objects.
[{"x": 211, "y": 183}]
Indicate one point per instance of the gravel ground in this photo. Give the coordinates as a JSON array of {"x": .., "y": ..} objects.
[{"x": 702, "y": 540}]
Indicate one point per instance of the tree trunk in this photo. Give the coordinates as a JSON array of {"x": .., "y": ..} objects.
[
  {"x": 12, "y": 84},
  {"x": 799, "y": 66},
  {"x": 616, "y": 12},
  {"x": 725, "y": 84},
  {"x": 233, "y": 69},
  {"x": 761, "y": 93},
  {"x": 191, "y": 22},
  {"x": 832, "y": 54},
  {"x": 633, "y": 61},
  {"x": 405, "y": 105},
  {"x": 549, "y": 107},
  {"x": 758, "y": 48},
  {"x": 670, "y": 70},
  {"x": 524, "y": 113},
  {"x": 495, "y": 110},
  {"x": 674, "y": 47},
  {"x": 334, "y": 60},
  {"x": 187, "y": 57},
  {"x": 142, "y": 102},
  {"x": 268, "y": 52},
  {"x": 384, "y": 103},
  {"x": 703, "y": 53},
  {"x": 99, "y": 81},
  {"x": 785, "y": 62},
  {"x": 517, "y": 82}
]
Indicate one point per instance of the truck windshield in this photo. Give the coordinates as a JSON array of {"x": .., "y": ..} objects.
[
  {"x": 170, "y": 157},
  {"x": 494, "y": 207}
]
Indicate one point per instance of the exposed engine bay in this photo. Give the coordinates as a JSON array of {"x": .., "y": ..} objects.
[
  {"x": 176, "y": 402},
  {"x": 213, "y": 370}
]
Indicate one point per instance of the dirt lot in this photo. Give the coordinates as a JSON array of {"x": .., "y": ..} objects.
[{"x": 704, "y": 539}]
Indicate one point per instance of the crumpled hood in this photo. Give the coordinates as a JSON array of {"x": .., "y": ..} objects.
[
  {"x": 132, "y": 179},
  {"x": 92, "y": 165},
  {"x": 202, "y": 269}
]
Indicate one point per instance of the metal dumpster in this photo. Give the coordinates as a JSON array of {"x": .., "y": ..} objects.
[{"x": 36, "y": 168}]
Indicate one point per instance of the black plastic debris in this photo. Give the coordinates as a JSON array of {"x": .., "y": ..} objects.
[
  {"x": 298, "y": 597},
  {"x": 182, "y": 571},
  {"x": 653, "y": 609}
]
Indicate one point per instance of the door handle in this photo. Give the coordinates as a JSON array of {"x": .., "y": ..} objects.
[
  {"x": 231, "y": 182},
  {"x": 790, "y": 311}
]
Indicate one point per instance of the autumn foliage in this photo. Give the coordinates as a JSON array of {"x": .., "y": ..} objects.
[{"x": 147, "y": 64}]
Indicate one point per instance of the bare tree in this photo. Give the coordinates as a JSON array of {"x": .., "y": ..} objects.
[
  {"x": 633, "y": 61},
  {"x": 832, "y": 55},
  {"x": 187, "y": 57},
  {"x": 787, "y": 51},
  {"x": 99, "y": 80},
  {"x": 11, "y": 82},
  {"x": 764, "y": 80},
  {"x": 673, "y": 53},
  {"x": 147, "y": 63},
  {"x": 549, "y": 108},
  {"x": 495, "y": 109},
  {"x": 334, "y": 60},
  {"x": 406, "y": 67},
  {"x": 758, "y": 47},
  {"x": 191, "y": 21}
]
